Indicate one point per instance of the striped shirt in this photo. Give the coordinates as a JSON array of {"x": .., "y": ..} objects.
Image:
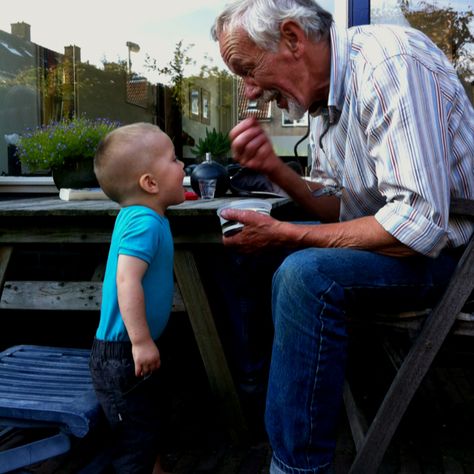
[{"x": 401, "y": 135}]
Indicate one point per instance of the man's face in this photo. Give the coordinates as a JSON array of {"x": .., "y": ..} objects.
[{"x": 266, "y": 75}]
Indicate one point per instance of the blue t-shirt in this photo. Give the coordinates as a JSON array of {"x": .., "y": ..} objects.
[{"x": 139, "y": 232}]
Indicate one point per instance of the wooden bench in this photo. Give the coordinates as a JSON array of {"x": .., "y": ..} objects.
[
  {"x": 61, "y": 295},
  {"x": 86, "y": 296},
  {"x": 46, "y": 402},
  {"x": 429, "y": 330}
]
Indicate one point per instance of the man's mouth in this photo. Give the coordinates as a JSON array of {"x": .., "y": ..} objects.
[
  {"x": 282, "y": 103},
  {"x": 275, "y": 95},
  {"x": 268, "y": 96}
]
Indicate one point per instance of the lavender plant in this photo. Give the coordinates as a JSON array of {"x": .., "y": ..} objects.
[{"x": 55, "y": 145}]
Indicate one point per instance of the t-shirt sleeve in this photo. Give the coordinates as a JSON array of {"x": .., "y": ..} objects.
[{"x": 141, "y": 237}]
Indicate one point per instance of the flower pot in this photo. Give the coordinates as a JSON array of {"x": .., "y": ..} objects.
[{"x": 76, "y": 174}]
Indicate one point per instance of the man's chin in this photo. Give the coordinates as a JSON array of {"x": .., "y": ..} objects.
[
  {"x": 294, "y": 115},
  {"x": 293, "y": 111}
]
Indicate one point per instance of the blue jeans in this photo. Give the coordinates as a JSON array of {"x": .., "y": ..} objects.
[{"x": 312, "y": 292}]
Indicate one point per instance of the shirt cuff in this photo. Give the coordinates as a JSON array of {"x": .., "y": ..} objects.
[{"x": 412, "y": 228}]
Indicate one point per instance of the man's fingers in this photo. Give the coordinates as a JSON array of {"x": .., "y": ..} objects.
[
  {"x": 241, "y": 127},
  {"x": 236, "y": 215}
]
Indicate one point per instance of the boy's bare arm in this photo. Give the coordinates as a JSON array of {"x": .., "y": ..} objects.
[{"x": 131, "y": 298}]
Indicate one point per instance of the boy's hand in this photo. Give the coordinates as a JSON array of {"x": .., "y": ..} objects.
[{"x": 146, "y": 357}]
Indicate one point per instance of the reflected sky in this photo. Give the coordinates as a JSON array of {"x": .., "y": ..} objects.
[{"x": 101, "y": 28}]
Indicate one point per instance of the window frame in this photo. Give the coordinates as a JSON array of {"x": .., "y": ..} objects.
[{"x": 358, "y": 12}]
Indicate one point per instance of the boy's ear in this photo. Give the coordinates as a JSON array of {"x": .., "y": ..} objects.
[{"x": 149, "y": 183}]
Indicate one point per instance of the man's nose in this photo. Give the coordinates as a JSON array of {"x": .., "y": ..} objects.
[{"x": 252, "y": 90}]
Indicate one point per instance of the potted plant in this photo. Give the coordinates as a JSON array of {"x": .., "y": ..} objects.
[
  {"x": 67, "y": 148},
  {"x": 216, "y": 143},
  {"x": 214, "y": 148}
]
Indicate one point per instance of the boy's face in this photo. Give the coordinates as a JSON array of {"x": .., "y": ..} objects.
[{"x": 169, "y": 171}]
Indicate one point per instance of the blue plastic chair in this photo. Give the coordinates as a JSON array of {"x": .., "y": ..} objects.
[{"x": 46, "y": 387}]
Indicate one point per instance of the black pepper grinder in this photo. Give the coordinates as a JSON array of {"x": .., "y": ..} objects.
[{"x": 210, "y": 169}]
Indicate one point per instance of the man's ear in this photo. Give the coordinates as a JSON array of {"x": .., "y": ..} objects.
[
  {"x": 292, "y": 37},
  {"x": 149, "y": 183}
]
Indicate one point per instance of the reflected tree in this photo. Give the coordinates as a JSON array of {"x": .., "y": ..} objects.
[{"x": 452, "y": 31}]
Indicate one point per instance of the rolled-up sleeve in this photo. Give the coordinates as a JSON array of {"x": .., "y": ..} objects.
[
  {"x": 412, "y": 228},
  {"x": 406, "y": 120}
]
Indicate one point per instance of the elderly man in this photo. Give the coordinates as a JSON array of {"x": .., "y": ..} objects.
[{"x": 392, "y": 142}]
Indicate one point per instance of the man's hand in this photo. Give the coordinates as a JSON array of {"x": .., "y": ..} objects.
[
  {"x": 146, "y": 357},
  {"x": 259, "y": 231},
  {"x": 252, "y": 148}
]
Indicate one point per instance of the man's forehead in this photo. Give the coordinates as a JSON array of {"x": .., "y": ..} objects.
[{"x": 236, "y": 46}]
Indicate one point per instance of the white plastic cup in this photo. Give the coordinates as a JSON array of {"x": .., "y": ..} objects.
[
  {"x": 207, "y": 188},
  {"x": 233, "y": 227}
]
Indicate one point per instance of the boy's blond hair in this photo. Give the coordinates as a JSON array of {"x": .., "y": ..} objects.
[{"x": 122, "y": 157}]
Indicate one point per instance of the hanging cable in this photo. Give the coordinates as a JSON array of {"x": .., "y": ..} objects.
[{"x": 302, "y": 139}]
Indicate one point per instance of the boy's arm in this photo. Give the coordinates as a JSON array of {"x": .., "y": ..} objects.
[{"x": 131, "y": 299}]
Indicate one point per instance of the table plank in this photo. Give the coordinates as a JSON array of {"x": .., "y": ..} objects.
[{"x": 53, "y": 206}]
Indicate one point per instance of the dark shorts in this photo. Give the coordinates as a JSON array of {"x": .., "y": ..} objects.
[{"x": 131, "y": 404}]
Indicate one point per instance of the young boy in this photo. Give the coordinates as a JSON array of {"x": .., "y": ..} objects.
[{"x": 136, "y": 167}]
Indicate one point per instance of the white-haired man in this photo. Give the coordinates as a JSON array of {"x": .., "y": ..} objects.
[{"x": 392, "y": 141}]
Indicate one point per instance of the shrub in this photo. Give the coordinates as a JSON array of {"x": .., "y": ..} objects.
[{"x": 53, "y": 145}]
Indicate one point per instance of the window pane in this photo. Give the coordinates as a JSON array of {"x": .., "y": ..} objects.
[
  {"x": 450, "y": 24},
  {"x": 125, "y": 62},
  {"x": 112, "y": 60}
]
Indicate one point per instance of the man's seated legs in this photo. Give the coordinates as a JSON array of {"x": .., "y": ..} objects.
[{"x": 312, "y": 292}]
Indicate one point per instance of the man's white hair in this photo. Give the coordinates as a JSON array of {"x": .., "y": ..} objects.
[{"x": 261, "y": 20}]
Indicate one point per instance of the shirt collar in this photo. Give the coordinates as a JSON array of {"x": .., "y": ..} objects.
[{"x": 339, "y": 59}]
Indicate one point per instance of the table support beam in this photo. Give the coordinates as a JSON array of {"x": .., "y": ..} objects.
[
  {"x": 208, "y": 341},
  {"x": 5, "y": 255}
]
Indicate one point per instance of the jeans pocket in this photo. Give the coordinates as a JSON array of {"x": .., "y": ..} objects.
[{"x": 138, "y": 384}]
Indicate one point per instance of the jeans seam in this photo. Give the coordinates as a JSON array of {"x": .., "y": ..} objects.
[{"x": 313, "y": 398}]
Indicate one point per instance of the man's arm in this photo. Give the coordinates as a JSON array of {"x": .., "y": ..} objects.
[
  {"x": 131, "y": 298},
  {"x": 252, "y": 148},
  {"x": 363, "y": 233},
  {"x": 261, "y": 232}
]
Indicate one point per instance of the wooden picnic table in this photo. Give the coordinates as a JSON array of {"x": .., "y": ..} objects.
[{"x": 50, "y": 220}]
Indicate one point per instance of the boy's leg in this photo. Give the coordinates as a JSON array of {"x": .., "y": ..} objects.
[{"x": 131, "y": 405}]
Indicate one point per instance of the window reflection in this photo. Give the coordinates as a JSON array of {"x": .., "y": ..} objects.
[
  {"x": 187, "y": 93},
  {"x": 40, "y": 86},
  {"x": 450, "y": 24}
]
